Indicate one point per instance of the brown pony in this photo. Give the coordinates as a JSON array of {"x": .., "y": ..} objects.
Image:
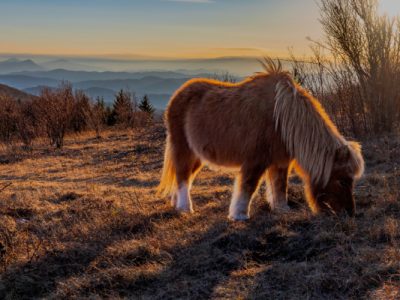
[{"x": 261, "y": 126}]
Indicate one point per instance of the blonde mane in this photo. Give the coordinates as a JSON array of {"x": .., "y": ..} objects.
[{"x": 308, "y": 133}]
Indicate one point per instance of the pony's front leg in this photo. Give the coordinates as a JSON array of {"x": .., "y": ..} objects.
[
  {"x": 245, "y": 186},
  {"x": 276, "y": 179},
  {"x": 183, "y": 200}
]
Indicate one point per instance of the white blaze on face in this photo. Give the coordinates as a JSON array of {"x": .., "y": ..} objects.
[{"x": 184, "y": 202}]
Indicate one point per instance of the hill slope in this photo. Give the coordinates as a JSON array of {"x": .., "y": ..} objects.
[{"x": 14, "y": 93}]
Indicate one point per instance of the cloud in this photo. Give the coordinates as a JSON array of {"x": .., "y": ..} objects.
[{"x": 192, "y": 1}]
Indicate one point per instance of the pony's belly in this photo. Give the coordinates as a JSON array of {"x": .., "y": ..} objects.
[
  {"x": 217, "y": 157},
  {"x": 215, "y": 163}
]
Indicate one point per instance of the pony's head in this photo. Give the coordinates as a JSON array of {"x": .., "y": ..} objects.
[{"x": 336, "y": 195}]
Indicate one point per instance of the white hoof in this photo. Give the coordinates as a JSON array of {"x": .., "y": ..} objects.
[
  {"x": 184, "y": 203},
  {"x": 185, "y": 209}
]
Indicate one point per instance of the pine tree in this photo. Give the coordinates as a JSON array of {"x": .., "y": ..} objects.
[
  {"x": 146, "y": 106},
  {"x": 123, "y": 108}
]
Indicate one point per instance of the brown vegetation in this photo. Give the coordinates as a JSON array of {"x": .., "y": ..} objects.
[
  {"x": 58, "y": 111},
  {"x": 355, "y": 71},
  {"x": 84, "y": 222}
]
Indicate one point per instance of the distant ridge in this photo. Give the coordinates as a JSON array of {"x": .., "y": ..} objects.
[{"x": 15, "y": 65}]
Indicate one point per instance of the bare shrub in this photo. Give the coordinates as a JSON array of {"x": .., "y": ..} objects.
[
  {"x": 27, "y": 125},
  {"x": 9, "y": 117},
  {"x": 55, "y": 111},
  {"x": 356, "y": 70},
  {"x": 96, "y": 116}
]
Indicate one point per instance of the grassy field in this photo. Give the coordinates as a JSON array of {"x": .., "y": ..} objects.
[{"x": 84, "y": 222}]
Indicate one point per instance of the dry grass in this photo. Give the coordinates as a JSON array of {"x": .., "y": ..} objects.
[{"x": 84, "y": 222}]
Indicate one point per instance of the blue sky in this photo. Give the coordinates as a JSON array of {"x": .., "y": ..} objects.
[{"x": 160, "y": 28}]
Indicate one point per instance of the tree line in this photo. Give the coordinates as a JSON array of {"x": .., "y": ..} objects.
[{"x": 56, "y": 112}]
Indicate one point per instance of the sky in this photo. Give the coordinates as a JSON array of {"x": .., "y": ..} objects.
[{"x": 161, "y": 28}]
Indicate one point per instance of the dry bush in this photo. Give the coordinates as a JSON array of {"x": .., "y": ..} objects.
[
  {"x": 55, "y": 111},
  {"x": 96, "y": 116},
  {"x": 357, "y": 78},
  {"x": 9, "y": 116},
  {"x": 27, "y": 125},
  {"x": 81, "y": 106},
  {"x": 17, "y": 121}
]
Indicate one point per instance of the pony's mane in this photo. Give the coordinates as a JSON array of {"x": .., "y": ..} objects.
[
  {"x": 307, "y": 131},
  {"x": 270, "y": 67}
]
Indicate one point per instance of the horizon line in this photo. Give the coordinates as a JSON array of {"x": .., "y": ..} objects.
[{"x": 127, "y": 56}]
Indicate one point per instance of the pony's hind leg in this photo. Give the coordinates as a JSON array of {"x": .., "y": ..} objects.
[
  {"x": 246, "y": 184},
  {"x": 186, "y": 169},
  {"x": 276, "y": 179}
]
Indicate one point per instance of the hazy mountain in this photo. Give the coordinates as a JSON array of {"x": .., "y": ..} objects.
[
  {"x": 14, "y": 93},
  {"x": 146, "y": 85},
  {"x": 241, "y": 66},
  {"x": 16, "y": 65},
  {"x": 23, "y": 82},
  {"x": 77, "y": 76},
  {"x": 67, "y": 65},
  {"x": 107, "y": 94},
  {"x": 36, "y": 90},
  {"x": 93, "y": 92},
  {"x": 159, "y": 101}
]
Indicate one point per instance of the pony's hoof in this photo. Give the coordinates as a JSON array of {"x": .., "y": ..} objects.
[
  {"x": 239, "y": 217},
  {"x": 186, "y": 210},
  {"x": 282, "y": 208}
]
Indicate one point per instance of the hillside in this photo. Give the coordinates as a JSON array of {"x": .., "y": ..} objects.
[
  {"x": 84, "y": 222},
  {"x": 14, "y": 93}
]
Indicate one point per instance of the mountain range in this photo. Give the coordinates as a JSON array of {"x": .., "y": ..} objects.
[
  {"x": 16, "y": 65},
  {"x": 159, "y": 84}
]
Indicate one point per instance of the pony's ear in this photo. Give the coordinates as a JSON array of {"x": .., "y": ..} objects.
[{"x": 349, "y": 159}]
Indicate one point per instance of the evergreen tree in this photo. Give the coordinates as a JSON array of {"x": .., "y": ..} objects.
[
  {"x": 146, "y": 106},
  {"x": 123, "y": 108}
]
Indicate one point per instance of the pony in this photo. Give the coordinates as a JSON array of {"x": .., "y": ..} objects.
[{"x": 262, "y": 127}]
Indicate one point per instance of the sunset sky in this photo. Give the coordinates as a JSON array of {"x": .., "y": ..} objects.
[{"x": 161, "y": 28}]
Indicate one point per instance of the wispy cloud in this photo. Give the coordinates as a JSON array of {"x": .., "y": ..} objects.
[{"x": 192, "y": 1}]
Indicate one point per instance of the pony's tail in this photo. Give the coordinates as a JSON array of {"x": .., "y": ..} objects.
[{"x": 168, "y": 178}]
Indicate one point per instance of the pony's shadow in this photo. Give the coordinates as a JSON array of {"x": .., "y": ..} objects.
[{"x": 204, "y": 265}]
